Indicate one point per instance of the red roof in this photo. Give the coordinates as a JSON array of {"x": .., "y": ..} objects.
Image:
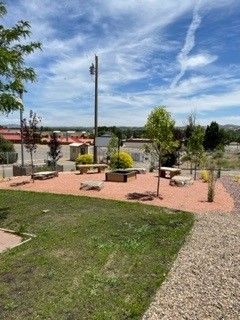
[{"x": 11, "y": 136}]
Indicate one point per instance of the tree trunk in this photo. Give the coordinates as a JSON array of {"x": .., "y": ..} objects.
[
  {"x": 54, "y": 165},
  {"x": 159, "y": 174},
  {"x": 31, "y": 155},
  {"x": 191, "y": 169},
  {"x": 211, "y": 186},
  {"x": 195, "y": 172}
]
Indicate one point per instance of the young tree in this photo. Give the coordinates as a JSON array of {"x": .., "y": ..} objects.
[
  {"x": 159, "y": 128},
  {"x": 54, "y": 152},
  {"x": 112, "y": 146},
  {"x": 195, "y": 149},
  {"x": 31, "y": 135},
  {"x": 13, "y": 71},
  {"x": 191, "y": 124}
]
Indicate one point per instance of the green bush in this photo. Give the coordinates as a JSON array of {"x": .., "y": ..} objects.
[
  {"x": 84, "y": 159},
  {"x": 5, "y": 145},
  {"x": 121, "y": 160},
  {"x": 7, "y": 152}
]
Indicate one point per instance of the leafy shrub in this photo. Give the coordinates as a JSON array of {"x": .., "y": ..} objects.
[
  {"x": 237, "y": 179},
  {"x": 7, "y": 152},
  {"x": 8, "y": 157},
  {"x": 151, "y": 167},
  {"x": 121, "y": 160},
  {"x": 204, "y": 174},
  {"x": 5, "y": 145},
  {"x": 84, "y": 159}
]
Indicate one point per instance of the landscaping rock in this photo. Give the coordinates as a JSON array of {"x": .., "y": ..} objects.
[
  {"x": 181, "y": 181},
  {"x": 92, "y": 185}
]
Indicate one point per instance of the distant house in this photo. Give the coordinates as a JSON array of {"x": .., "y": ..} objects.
[
  {"x": 135, "y": 146},
  {"x": 68, "y": 139},
  {"x": 12, "y": 135}
]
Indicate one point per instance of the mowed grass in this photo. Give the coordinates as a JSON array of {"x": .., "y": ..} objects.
[{"x": 91, "y": 259}]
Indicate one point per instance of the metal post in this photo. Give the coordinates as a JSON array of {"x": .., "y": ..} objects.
[
  {"x": 119, "y": 143},
  {"x": 21, "y": 129},
  {"x": 95, "y": 156}
]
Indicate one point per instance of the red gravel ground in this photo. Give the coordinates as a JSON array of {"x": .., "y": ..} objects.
[{"x": 192, "y": 198}]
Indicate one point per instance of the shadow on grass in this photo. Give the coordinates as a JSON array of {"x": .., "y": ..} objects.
[
  {"x": 4, "y": 213},
  {"x": 143, "y": 196}
]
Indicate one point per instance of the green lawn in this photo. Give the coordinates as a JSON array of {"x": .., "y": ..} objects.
[{"x": 91, "y": 259}]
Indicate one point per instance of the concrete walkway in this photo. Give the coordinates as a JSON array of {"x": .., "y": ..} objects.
[{"x": 8, "y": 240}]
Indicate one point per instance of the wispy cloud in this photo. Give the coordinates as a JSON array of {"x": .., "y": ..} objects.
[
  {"x": 137, "y": 43},
  {"x": 189, "y": 43}
]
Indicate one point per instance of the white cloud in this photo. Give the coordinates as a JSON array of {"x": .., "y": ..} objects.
[
  {"x": 198, "y": 60},
  {"x": 133, "y": 47},
  {"x": 189, "y": 43}
]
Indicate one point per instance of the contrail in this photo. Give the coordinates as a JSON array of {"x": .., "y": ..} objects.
[{"x": 189, "y": 43}]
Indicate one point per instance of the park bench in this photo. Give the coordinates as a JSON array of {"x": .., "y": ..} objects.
[
  {"x": 137, "y": 170},
  {"x": 84, "y": 168},
  {"x": 167, "y": 172}
]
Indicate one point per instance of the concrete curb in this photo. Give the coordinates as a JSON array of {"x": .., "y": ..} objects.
[{"x": 29, "y": 235}]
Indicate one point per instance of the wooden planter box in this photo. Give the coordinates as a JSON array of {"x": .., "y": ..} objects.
[
  {"x": 120, "y": 176},
  {"x": 18, "y": 170}
]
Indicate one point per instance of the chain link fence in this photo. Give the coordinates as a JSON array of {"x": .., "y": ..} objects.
[{"x": 8, "y": 157}]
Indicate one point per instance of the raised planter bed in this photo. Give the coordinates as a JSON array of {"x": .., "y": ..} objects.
[{"x": 120, "y": 175}]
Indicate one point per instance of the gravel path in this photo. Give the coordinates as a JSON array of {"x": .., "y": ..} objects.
[
  {"x": 234, "y": 189},
  {"x": 204, "y": 282}
]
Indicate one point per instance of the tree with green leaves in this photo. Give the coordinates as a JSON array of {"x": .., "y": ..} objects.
[
  {"x": 7, "y": 151},
  {"x": 6, "y": 145},
  {"x": 13, "y": 70},
  {"x": 31, "y": 135},
  {"x": 214, "y": 137},
  {"x": 160, "y": 129},
  {"x": 191, "y": 124},
  {"x": 195, "y": 149},
  {"x": 112, "y": 146}
]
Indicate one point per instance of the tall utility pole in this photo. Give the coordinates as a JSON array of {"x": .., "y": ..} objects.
[
  {"x": 94, "y": 71},
  {"x": 21, "y": 128}
]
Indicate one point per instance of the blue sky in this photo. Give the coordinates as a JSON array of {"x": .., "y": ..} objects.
[{"x": 182, "y": 54}]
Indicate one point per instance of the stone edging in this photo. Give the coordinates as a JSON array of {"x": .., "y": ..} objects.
[{"x": 29, "y": 235}]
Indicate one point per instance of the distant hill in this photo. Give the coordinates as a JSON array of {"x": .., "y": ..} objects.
[
  {"x": 11, "y": 125},
  {"x": 230, "y": 126},
  {"x": 66, "y": 128}
]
